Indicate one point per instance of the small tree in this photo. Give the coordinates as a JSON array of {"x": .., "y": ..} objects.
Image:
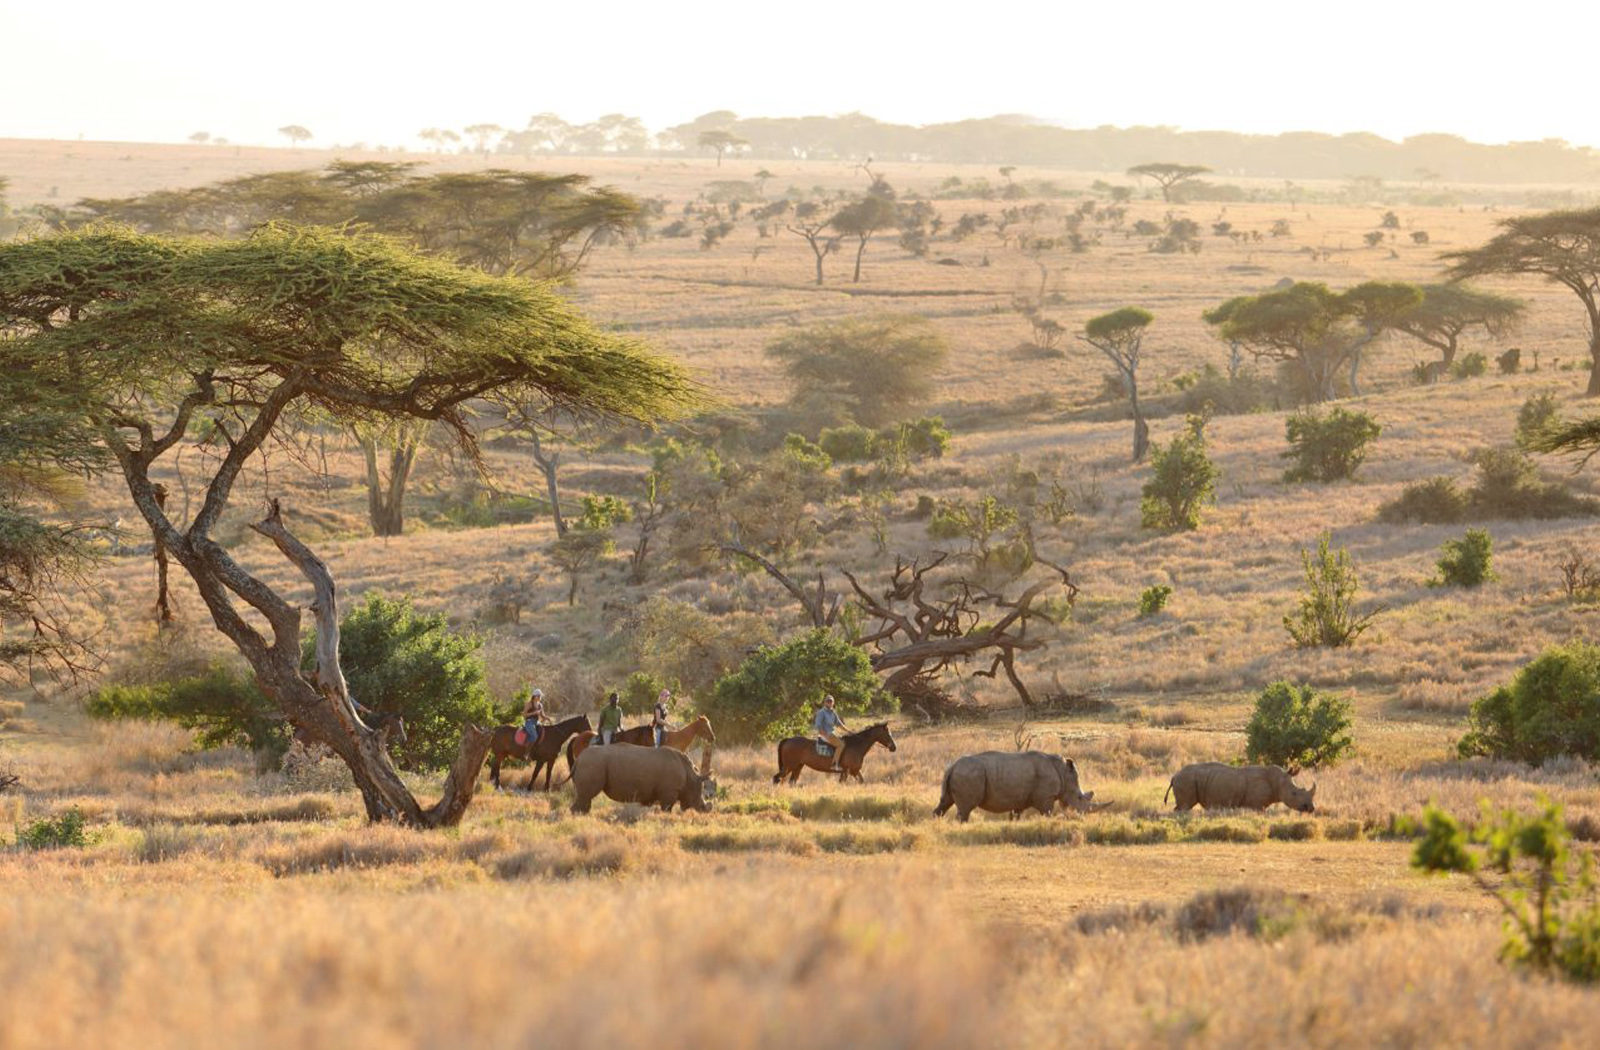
[
  {"x": 1119, "y": 335},
  {"x": 1540, "y": 412},
  {"x": 1183, "y": 480},
  {"x": 1327, "y": 448},
  {"x": 1448, "y": 311},
  {"x": 1465, "y": 562},
  {"x": 1298, "y": 728},
  {"x": 863, "y": 218},
  {"x": 295, "y": 134},
  {"x": 811, "y": 222},
  {"x": 1528, "y": 865},
  {"x": 1550, "y": 708},
  {"x": 1167, "y": 175},
  {"x": 721, "y": 140},
  {"x": 774, "y": 692},
  {"x": 1327, "y": 616},
  {"x": 583, "y": 546},
  {"x": 878, "y": 367}
]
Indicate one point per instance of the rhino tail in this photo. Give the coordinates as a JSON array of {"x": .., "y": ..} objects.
[
  {"x": 946, "y": 800},
  {"x": 1169, "y": 792}
]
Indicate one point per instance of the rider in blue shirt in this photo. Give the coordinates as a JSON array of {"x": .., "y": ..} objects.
[{"x": 828, "y": 726}]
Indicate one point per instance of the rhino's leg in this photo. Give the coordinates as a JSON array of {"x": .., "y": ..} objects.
[{"x": 963, "y": 813}]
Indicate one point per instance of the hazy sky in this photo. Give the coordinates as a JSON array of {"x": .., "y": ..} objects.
[{"x": 161, "y": 69}]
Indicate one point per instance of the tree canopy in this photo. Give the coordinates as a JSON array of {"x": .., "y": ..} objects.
[
  {"x": 1447, "y": 311},
  {"x": 878, "y": 366},
  {"x": 1167, "y": 175}
]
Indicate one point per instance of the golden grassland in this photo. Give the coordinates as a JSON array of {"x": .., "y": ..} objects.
[{"x": 220, "y": 904}]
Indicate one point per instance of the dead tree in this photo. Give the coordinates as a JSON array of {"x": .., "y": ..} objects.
[
  {"x": 821, "y": 607},
  {"x": 918, "y": 636}
]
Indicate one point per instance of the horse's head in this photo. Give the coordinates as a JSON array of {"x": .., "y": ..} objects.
[
  {"x": 880, "y": 735},
  {"x": 702, "y": 726}
]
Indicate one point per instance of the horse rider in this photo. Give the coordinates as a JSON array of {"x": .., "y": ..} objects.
[
  {"x": 827, "y": 725},
  {"x": 533, "y": 716},
  {"x": 610, "y": 719},
  {"x": 658, "y": 719}
]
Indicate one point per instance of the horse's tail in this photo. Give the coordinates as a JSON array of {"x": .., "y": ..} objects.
[
  {"x": 572, "y": 758},
  {"x": 779, "y": 774}
]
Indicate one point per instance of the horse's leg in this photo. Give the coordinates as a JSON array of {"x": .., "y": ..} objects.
[
  {"x": 494, "y": 771},
  {"x": 549, "y": 768},
  {"x": 535, "y": 778}
]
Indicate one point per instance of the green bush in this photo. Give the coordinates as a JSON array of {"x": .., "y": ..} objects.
[
  {"x": 1469, "y": 365},
  {"x": 67, "y": 831},
  {"x": 925, "y": 438},
  {"x": 1545, "y": 888},
  {"x": 1508, "y": 486},
  {"x": 1212, "y": 391},
  {"x": 1326, "y": 616},
  {"x": 638, "y": 694},
  {"x": 1436, "y": 501},
  {"x": 223, "y": 704},
  {"x": 1327, "y": 447},
  {"x": 1298, "y": 728},
  {"x": 775, "y": 692},
  {"x": 1466, "y": 562},
  {"x": 1551, "y": 707},
  {"x": 1153, "y": 599},
  {"x": 1537, "y": 412},
  {"x": 397, "y": 660},
  {"x": 1182, "y": 482},
  {"x": 851, "y": 443}
]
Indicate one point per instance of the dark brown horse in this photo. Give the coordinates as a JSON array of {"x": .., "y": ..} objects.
[
  {"x": 800, "y": 752},
  {"x": 678, "y": 739},
  {"x": 543, "y": 754}
]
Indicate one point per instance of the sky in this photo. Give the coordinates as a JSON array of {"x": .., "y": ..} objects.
[{"x": 160, "y": 70}]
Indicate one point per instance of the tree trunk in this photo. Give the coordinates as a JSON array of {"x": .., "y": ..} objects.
[
  {"x": 163, "y": 595},
  {"x": 819, "y": 255},
  {"x": 861, "y": 250},
  {"x": 1141, "y": 429},
  {"x": 547, "y": 465},
  {"x": 1594, "y": 357},
  {"x": 386, "y": 495}
]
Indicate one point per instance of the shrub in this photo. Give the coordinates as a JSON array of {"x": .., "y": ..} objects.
[
  {"x": 1153, "y": 599},
  {"x": 1327, "y": 447},
  {"x": 1465, "y": 562},
  {"x": 1327, "y": 615},
  {"x": 1214, "y": 392},
  {"x": 851, "y": 443},
  {"x": 1508, "y": 486},
  {"x": 1436, "y": 501},
  {"x": 223, "y": 704},
  {"x": 1298, "y": 728},
  {"x": 1551, "y": 707},
  {"x": 875, "y": 366},
  {"x": 1182, "y": 482},
  {"x": 984, "y": 524},
  {"x": 397, "y": 660},
  {"x": 638, "y": 694},
  {"x": 1537, "y": 413},
  {"x": 1469, "y": 365},
  {"x": 1580, "y": 581},
  {"x": 67, "y": 831},
  {"x": 773, "y": 694},
  {"x": 1545, "y": 889},
  {"x": 925, "y": 438}
]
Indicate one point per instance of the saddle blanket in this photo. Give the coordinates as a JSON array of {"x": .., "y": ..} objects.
[{"x": 824, "y": 748}]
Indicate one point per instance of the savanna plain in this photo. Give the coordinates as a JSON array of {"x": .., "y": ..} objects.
[{"x": 218, "y": 902}]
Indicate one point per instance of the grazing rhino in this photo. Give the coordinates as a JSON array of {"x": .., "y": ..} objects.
[
  {"x": 1011, "y": 782},
  {"x": 654, "y": 776},
  {"x": 1216, "y": 785}
]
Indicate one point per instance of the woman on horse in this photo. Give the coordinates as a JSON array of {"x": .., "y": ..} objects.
[
  {"x": 658, "y": 720},
  {"x": 610, "y": 720},
  {"x": 828, "y": 725},
  {"x": 533, "y": 716}
]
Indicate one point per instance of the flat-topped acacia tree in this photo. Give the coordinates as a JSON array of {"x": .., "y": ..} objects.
[{"x": 146, "y": 337}]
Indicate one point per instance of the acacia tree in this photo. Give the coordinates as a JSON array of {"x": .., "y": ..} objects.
[
  {"x": 295, "y": 134},
  {"x": 1119, "y": 335},
  {"x": 1447, "y": 311},
  {"x": 811, "y": 221},
  {"x": 1167, "y": 175},
  {"x": 1561, "y": 246},
  {"x": 721, "y": 140},
  {"x": 863, "y": 218},
  {"x": 141, "y": 338},
  {"x": 878, "y": 367}
]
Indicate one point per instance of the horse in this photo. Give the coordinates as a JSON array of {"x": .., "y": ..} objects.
[
  {"x": 678, "y": 739},
  {"x": 543, "y": 754},
  {"x": 800, "y": 752}
]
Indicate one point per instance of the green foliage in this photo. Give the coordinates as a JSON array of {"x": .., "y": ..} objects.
[
  {"x": 985, "y": 524},
  {"x": 851, "y": 443},
  {"x": 1298, "y": 728},
  {"x": 876, "y": 367},
  {"x": 399, "y": 661},
  {"x": 1539, "y": 413},
  {"x": 1153, "y": 599},
  {"x": 774, "y": 692},
  {"x": 638, "y": 694},
  {"x": 1551, "y": 707},
  {"x": 1183, "y": 480},
  {"x": 1526, "y": 862},
  {"x": 1328, "y": 447},
  {"x": 1435, "y": 501},
  {"x": 603, "y": 512},
  {"x": 1466, "y": 562},
  {"x": 925, "y": 438},
  {"x": 1213, "y": 392},
  {"x": 223, "y": 705},
  {"x": 1326, "y": 616},
  {"x": 1507, "y": 486},
  {"x": 67, "y": 831},
  {"x": 1469, "y": 366}
]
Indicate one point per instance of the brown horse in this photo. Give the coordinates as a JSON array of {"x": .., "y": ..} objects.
[
  {"x": 677, "y": 739},
  {"x": 543, "y": 754},
  {"x": 800, "y": 752}
]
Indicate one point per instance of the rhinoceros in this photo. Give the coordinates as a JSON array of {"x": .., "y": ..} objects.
[
  {"x": 654, "y": 776},
  {"x": 1011, "y": 782},
  {"x": 1216, "y": 785}
]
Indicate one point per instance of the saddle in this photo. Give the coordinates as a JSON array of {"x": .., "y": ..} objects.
[{"x": 824, "y": 748}]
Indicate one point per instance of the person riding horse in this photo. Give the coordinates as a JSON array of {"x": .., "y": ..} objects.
[
  {"x": 828, "y": 725},
  {"x": 533, "y": 716},
  {"x": 658, "y": 721},
  {"x": 610, "y": 720}
]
